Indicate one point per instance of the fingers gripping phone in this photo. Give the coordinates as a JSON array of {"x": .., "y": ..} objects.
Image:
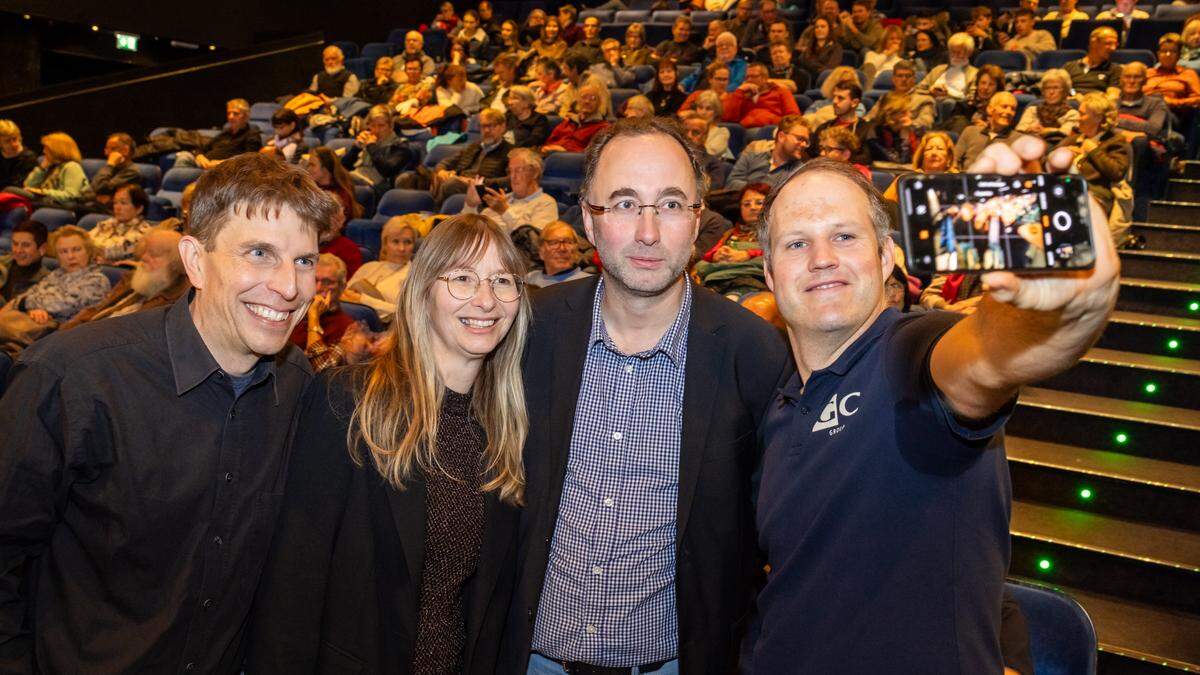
[{"x": 963, "y": 222}]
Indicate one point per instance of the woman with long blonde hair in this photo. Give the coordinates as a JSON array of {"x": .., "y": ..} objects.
[{"x": 396, "y": 551}]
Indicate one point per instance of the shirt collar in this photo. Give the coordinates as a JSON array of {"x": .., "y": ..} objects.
[
  {"x": 191, "y": 361},
  {"x": 671, "y": 343},
  {"x": 859, "y": 347},
  {"x": 528, "y": 198}
]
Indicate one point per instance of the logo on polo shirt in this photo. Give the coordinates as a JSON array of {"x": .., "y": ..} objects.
[{"x": 829, "y": 415}]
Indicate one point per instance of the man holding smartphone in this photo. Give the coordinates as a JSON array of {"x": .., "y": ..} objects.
[{"x": 885, "y": 496}]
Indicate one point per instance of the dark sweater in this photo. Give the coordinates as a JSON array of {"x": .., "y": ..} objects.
[
  {"x": 13, "y": 170},
  {"x": 531, "y": 133}
]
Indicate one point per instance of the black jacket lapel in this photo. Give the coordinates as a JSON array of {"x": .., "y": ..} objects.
[{"x": 705, "y": 354}]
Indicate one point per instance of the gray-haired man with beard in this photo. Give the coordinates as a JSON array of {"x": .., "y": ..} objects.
[
  {"x": 158, "y": 280},
  {"x": 637, "y": 544}
]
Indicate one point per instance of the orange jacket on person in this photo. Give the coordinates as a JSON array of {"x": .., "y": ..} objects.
[
  {"x": 1179, "y": 87},
  {"x": 768, "y": 108}
]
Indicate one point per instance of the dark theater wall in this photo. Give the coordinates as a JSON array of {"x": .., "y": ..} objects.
[{"x": 235, "y": 23}]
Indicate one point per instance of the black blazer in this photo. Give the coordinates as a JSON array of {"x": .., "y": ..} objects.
[
  {"x": 340, "y": 592},
  {"x": 735, "y": 363}
]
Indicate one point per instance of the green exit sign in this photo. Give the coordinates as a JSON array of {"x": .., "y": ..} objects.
[{"x": 127, "y": 42}]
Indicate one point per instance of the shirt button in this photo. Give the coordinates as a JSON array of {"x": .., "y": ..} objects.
[
  {"x": 617, "y": 436},
  {"x": 590, "y": 629},
  {"x": 803, "y": 410},
  {"x": 608, "y": 501},
  {"x": 597, "y": 570},
  {"x": 208, "y": 602},
  {"x": 228, "y": 476}
]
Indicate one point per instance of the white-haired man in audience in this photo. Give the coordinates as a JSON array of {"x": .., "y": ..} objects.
[
  {"x": 559, "y": 251},
  {"x": 1002, "y": 111},
  {"x": 954, "y": 79},
  {"x": 158, "y": 280},
  {"x": 524, "y": 204},
  {"x": 334, "y": 81},
  {"x": 414, "y": 48}
]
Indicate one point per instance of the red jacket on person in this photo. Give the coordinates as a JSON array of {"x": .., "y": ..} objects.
[
  {"x": 770, "y": 106},
  {"x": 575, "y": 136}
]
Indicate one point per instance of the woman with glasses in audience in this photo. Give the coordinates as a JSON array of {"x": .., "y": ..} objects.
[
  {"x": 1052, "y": 117},
  {"x": 397, "y": 552}
]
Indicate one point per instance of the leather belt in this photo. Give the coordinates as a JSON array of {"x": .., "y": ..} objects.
[{"x": 581, "y": 668}]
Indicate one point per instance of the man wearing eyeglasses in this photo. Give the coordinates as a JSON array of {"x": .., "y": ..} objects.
[
  {"x": 559, "y": 251},
  {"x": 772, "y": 161},
  {"x": 637, "y": 548}
]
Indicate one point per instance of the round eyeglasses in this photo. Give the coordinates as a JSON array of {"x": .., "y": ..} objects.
[{"x": 464, "y": 284}]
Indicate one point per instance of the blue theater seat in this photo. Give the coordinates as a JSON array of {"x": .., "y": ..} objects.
[
  {"x": 175, "y": 180},
  {"x": 1061, "y": 636},
  {"x": 364, "y": 314},
  {"x": 365, "y": 233},
  {"x": 397, "y": 202},
  {"x": 1009, "y": 61},
  {"x": 1056, "y": 58},
  {"x": 53, "y": 218},
  {"x": 91, "y": 220},
  {"x": 453, "y": 204},
  {"x": 562, "y": 172},
  {"x": 1124, "y": 56},
  {"x": 349, "y": 49},
  {"x": 374, "y": 50}
]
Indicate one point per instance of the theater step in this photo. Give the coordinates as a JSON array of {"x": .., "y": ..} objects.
[
  {"x": 1123, "y": 558},
  {"x": 1130, "y": 427},
  {"x": 1134, "y": 376},
  {"x": 1160, "y": 264},
  {"x": 1139, "y": 638},
  {"x": 1176, "y": 298},
  {"x": 1170, "y": 236},
  {"x": 1184, "y": 189},
  {"x": 1152, "y": 334},
  {"x": 1190, "y": 169},
  {"x": 1105, "y": 482},
  {"x": 1173, "y": 211}
]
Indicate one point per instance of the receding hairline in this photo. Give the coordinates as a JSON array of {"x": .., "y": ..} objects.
[{"x": 642, "y": 136}]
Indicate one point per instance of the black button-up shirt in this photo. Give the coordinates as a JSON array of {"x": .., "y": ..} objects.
[{"x": 137, "y": 497}]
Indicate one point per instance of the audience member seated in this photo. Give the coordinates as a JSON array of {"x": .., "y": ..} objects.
[
  {"x": 1178, "y": 87},
  {"x": 1142, "y": 118},
  {"x": 697, "y": 127},
  {"x": 334, "y": 81},
  {"x": 989, "y": 79},
  {"x": 523, "y": 204},
  {"x": 377, "y": 283},
  {"x": 847, "y": 98},
  {"x": 487, "y": 18},
  {"x": 927, "y": 52},
  {"x": 891, "y": 52},
  {"x": 58, "y": 179},
  {"x": 575, "y": 76},
  {"x": 327, "y": 170},
  {"x": 858, "y": 30},
  {"x": 679, "y": 48},
  {"x": 531, "y": 29},
  {"x": 740, "y": 20},
  {"x": 922, "y": 106},
  {"x": 507, "y": 42},
  {"x": 16, "y": 161},
  {"x": 471, "y": 36},
  {"x": 446, "y": 18},
  {"x": 158, "y": 280},
  {"x": 325, "y": 322},
  {"x": 412, "y": 83},
  {"x": 1189, "y": 49},
  {"x": 1028, "y": 40},
  {"x": 1001, "y": 110},
  {"x": 378, "y": 154},
  {"x": 1095, "y": 72},
  {"x": 591, "y": 45},
  {"x": 25, "y": 265},
  {"x": 116, "y": 239},
  {"x": 756, "y": 32},
  {"x": 772, "y": 161},
  {"x": 559, "y": 252},
  {"x": 572, "y": 32},
  {"x": 759, "y": 102},
  {"x": 549, "y": 86},
  {"x": 527, "y": 128},
  {"x": 56, "y": 297},
  {"x": 934, "y": 154},
  {"x": 238, "y": 136},
  {"x": 1102, "y": 158},
  {"x": 549, "y": 45},
  {"x": 953, "y": 292},
  {"x": 610, "y": 71},
  {"x": 288, "y": 142},
  {"x": 1125, "y": 11},
  {"x": 333, "y": 242},
  {"x": 635, "y": 51},
  {"x": 414, "y": 48},
  {"x": 778, "y": 33},
  {"x": 955, "y": 78},
  {"x": 118, "y": 170},
  {"x": 638, "y": 106},
  {"x": 708, "y": 46},
  {"x": 1052, "y": 118},
  {"x": 726, "y": 54},
  {"x": 843, "y": 145},
  {"x": 716, "y": 80},
  {"x": 890, "y": 138},
  {"x": 504, "y": 78},
  {"x": 733, "y": 266},
  {"x": 453, "y": 89},
  {"x": 381, "y": 87},
  {"x": 980, "y": 29},
  {"x": 665, "y": 92},
  {"x": 179, "y": 223},
  {"x": 709, "y": 107},
  {"x": 821, "y": 111},
  {"x": 784, "y": 71},
  {"x": 485, "y": 159},
  {"x": 829, "y": 10},
  {"x": 822, "y": 52},
  {"x": 1066, "y": 13},
  {"x": 575, "y": 132}
]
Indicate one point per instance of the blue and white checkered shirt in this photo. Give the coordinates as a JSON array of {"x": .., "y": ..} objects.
[{"x": 609, "y": 594}]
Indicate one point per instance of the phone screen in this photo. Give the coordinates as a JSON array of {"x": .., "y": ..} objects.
[{"x": 979, "y": 222}]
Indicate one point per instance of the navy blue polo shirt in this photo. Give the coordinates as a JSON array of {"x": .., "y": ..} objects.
[{"x": 884, "y": 519}]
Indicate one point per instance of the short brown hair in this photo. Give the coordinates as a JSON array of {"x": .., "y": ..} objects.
[
  {"x": 246, "y": 183},
  {"x": 642, "y": 126}
]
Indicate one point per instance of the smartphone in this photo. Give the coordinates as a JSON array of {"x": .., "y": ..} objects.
[{"x": 968, "y": 222}]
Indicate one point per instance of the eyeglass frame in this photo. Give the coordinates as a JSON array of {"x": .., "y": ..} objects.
[
  {"x": 520, "y": 285},
  {"x": 603, "y": 210}
]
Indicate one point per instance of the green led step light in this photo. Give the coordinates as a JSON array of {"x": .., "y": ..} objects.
[
  {"x": 1044, "y": 564},
  {"x": 1086, "y": 494},
  {"x": 1121, "y": 438},
  {"x": 1173, "y": 344},
  {"x": 1194, "y": 306},
  {"x": 1150, "y": 388}
]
